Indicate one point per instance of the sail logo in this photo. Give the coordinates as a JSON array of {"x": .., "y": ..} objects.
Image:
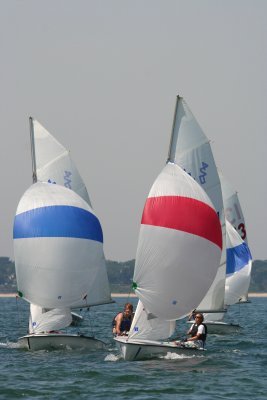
[
  {"x": 203, "y": 173},
  {"x": 67, "y": 179},
  {"x": 233, "y": 215},
  {"x": 202, "y": 177}
]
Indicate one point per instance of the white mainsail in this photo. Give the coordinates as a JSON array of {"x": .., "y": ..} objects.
[
  {"x": 191, "y": 150},
  {"x": 52, "y": 161},
  {"x": 58, "y": 246},
  {"x": 232, "y": 208},
  {"x": 178, "y": 252}
]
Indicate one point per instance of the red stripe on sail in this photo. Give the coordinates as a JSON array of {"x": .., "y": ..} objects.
[{"x": 183, "y": 214}]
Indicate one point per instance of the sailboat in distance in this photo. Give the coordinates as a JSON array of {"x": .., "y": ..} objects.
[
  {"x": 239, "y": 258},
  {"x": 60, "y": 263},
  {"x": 178, "y": 255},
  {"x": 238, "y": 271}
]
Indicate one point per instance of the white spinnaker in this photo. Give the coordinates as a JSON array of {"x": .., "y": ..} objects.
[
  {"x": 239, "y": 262},
  {"x": 54, "y": 163},
  {"x": 191, "y": 150},
  {"x": 63, "y": 268},
  {"x": 174, "y": 268}
]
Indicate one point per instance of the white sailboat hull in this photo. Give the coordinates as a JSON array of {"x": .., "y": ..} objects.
[
  {"x": 134, "y": 350},
  {"x": 220, "y": 327},
  {"x": 50, "y": 341}
]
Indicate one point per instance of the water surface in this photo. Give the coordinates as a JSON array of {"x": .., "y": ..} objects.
[{"x": 233, "y": 367}]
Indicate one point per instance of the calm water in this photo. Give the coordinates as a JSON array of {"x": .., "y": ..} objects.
[{"x": 233, "y": 367}]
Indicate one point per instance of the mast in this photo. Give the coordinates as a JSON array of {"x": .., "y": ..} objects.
[
  {"x": 34, "y": 175},
  {"x": 172, "y": 148}
]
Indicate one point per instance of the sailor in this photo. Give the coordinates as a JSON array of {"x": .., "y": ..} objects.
[
  {"x": 198, "y": 331},
  {"x": 122, "y": 322}
]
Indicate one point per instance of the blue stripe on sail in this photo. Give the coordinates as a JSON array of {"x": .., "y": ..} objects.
[
  {"x": 237, "y": 258},
  {"x": 58, "y": 221}
]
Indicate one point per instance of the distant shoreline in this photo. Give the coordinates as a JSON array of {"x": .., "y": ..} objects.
[{"x": 252, "y": 294}]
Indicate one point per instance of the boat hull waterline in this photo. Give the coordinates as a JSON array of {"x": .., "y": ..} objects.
[
  {"x": 50, "y": 341},
  {"x": 143, "y": 349}
]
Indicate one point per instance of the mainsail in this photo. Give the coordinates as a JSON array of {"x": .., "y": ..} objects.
[
  {"x": 191, "y": 150},
  {"x": 52, "y": 161}
]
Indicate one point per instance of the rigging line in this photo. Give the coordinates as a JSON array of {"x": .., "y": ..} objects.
[
  {"x": 87, "y": 309},
  {"x": 18, "y": 313},
  {"x": 131, "y": 290},
  {"x": 92, "y": 327}
]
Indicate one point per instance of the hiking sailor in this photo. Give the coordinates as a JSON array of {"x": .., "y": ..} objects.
[
  {"x": 198, "y": 331},
  {"x": 122, "y": 321}
]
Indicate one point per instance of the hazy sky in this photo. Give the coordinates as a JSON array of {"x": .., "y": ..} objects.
[{"x": 102, "y": 77}]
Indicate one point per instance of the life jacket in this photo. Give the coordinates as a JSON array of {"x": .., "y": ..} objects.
[
  {"x": 202, "y": 336},
  {"x": 125, "y": 323}
]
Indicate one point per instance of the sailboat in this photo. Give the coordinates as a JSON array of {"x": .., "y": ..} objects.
[
  {"x": 60, "y": 263},
  {"x": 191, "y": 150},
  {"x": 239, "y": 259},
  {"x": 178, "y": 255},
  {"x": 52, "y": 162},
  {"x": 239, "y": 263}
]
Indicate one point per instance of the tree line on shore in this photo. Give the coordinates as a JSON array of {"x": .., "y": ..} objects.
[{"x": 120, "y": 274}]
